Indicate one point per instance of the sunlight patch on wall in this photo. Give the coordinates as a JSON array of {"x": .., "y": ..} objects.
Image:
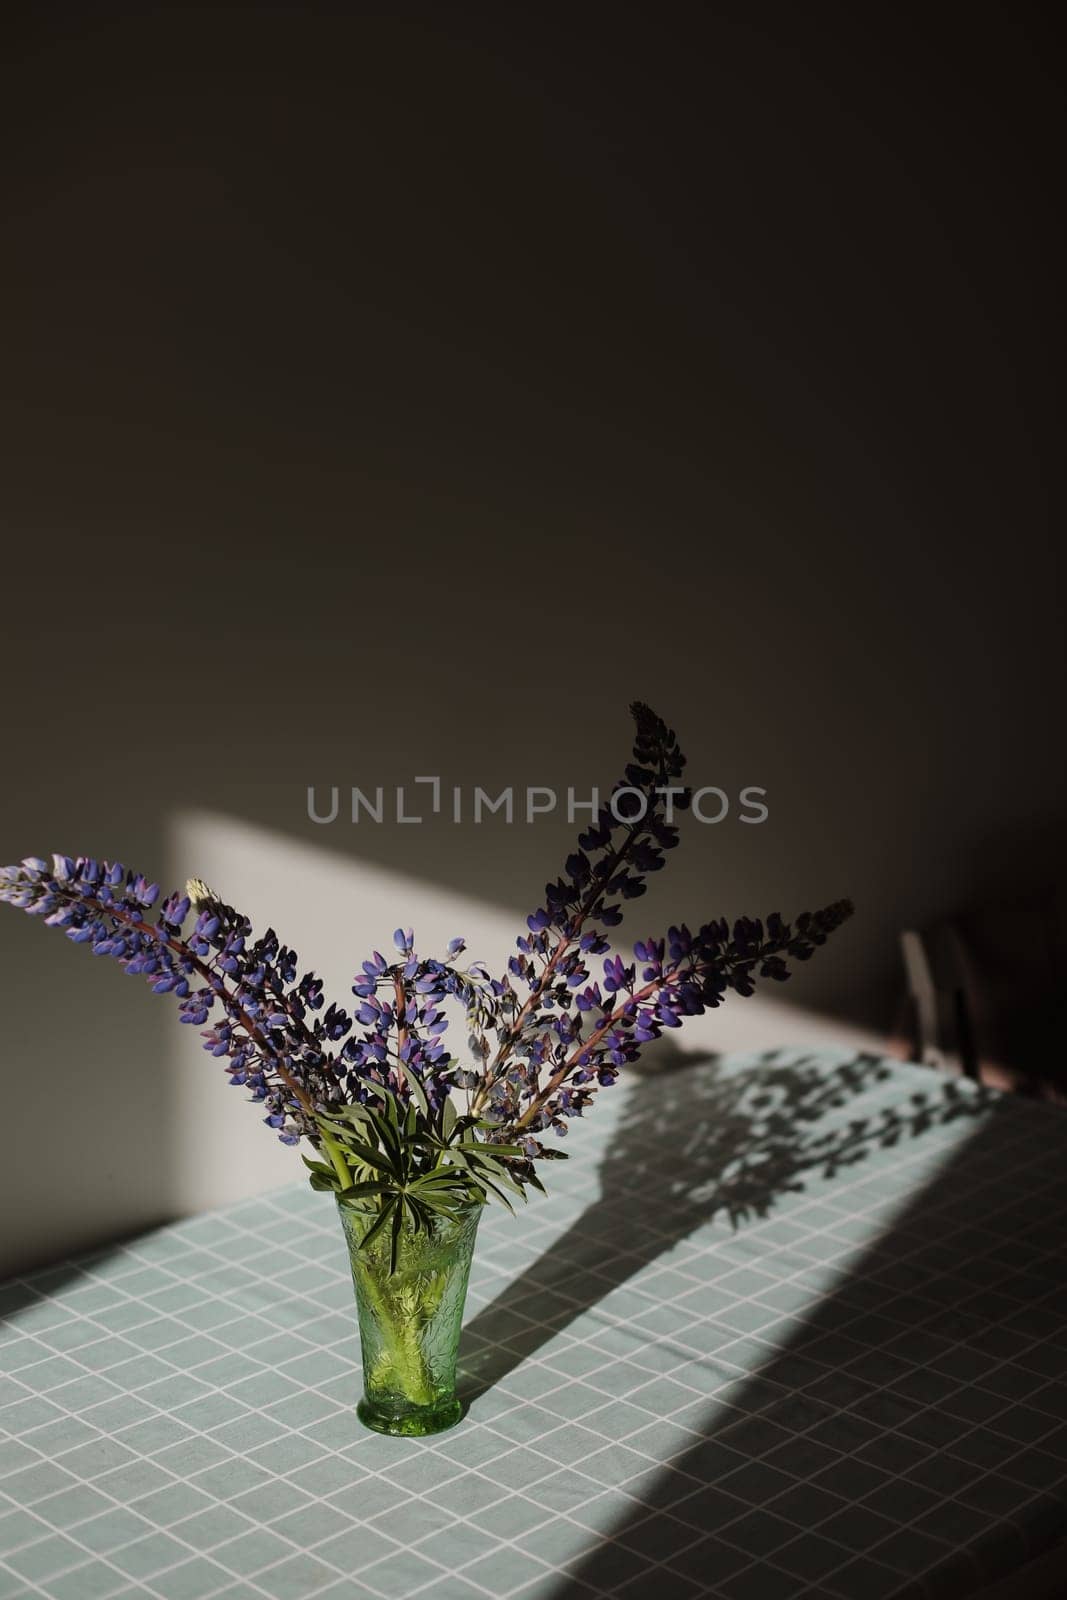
[{"x": 334, "y": 910}]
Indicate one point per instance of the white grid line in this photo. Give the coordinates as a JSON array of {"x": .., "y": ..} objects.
[{"x": 602, "y": 1319}]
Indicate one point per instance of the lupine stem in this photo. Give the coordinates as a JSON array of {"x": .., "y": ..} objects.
[
  {"x": 656, "y": 986},
  {"x": 558, "y": 1078},
  {"x": 336, "y": 1155},
  {"x": 401, "y": 999},
  {"x": 566, "y": 942},
  {"x": 285, "y": 1059}
]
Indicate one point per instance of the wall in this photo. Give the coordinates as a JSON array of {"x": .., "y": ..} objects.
[{"x": 399, "y": 395}]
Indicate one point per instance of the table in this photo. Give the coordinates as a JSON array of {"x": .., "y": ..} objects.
[{"x": 787, "y": 1325}]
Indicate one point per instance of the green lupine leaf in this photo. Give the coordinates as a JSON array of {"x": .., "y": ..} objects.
[
  {"x": 368, "y": 1128},
  {"x": 352, "y": 1113},
  {"x": 377, "y": 1226},
  {"x": 384, "y": 1123},
  {"x": 466, "y": 1147},
  {"x": 355, "y": 1190},
  {"x": 369, "y": 1157},
  {"x": 418, "y": 1093},
  {"x": 508, "y": 1182},
  {"x": 480, "y": 1157},
  {"x": 388, "y": 1136},
  {"x": 329, "y": 1125},
  {"x": 398, "y": 1223},
  {"x": 499, "y": 1152},
  {"x": 443, "y": 1180},
  {"x": 320, "y": 1167},
  {"x": 344, "y": 1132},
  {"x": 433, "y": 1197},
  {"x": 476, "y": 1164},
  {"x": 438, "y": 1175},
  {"x": 501, "y": 1196},
  {"x": 446, "y": 1203}
]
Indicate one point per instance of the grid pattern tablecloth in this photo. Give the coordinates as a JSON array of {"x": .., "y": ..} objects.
[{"x": 786, "y": 1326}]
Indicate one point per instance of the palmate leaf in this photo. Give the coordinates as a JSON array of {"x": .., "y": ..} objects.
[
  {"x": 441, "y": 1178},
  {"x": 417, "y": 1165},
  {"x": 372, "y": 1158},
  {"x": 358, "y": 1190},
  {"x": 383, "y": 1124},
  {"x": 403, "y": 1125}
]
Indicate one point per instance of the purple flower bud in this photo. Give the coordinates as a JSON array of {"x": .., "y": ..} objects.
[{"x": 283, "y": 1059}]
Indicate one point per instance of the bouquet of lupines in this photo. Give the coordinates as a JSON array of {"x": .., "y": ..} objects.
[{"x": 396, "y": 1122}]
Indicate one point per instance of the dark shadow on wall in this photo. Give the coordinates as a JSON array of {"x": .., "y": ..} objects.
[
  {"x": 908, "y": 1437},
  {"x": 304, "y": 491},
  {"x": 85, "y": 1058}
]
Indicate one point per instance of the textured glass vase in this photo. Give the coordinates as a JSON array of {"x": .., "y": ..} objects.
[{"x": 410, "y": 1320}]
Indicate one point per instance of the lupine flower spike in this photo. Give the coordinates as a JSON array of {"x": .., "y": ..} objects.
[{"x": 393, "y": 1119}]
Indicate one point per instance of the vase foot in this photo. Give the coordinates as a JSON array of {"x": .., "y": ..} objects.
[{"x": 409, "y": 1421}]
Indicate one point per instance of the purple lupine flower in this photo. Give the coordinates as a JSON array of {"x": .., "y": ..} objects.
[
  {"x": 543, "y": 1038},
  {"x": 263, "y": 1032}
]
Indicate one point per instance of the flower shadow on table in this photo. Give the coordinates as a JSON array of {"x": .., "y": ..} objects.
[
  {"x": 903, "y": 1432},
  {"x": 696, "y": 1142}
]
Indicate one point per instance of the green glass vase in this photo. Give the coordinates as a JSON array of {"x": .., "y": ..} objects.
[{"x": 410, "y": 1319}]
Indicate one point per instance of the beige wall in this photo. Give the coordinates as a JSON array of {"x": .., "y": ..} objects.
[{"x": 380, "y": 401}]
